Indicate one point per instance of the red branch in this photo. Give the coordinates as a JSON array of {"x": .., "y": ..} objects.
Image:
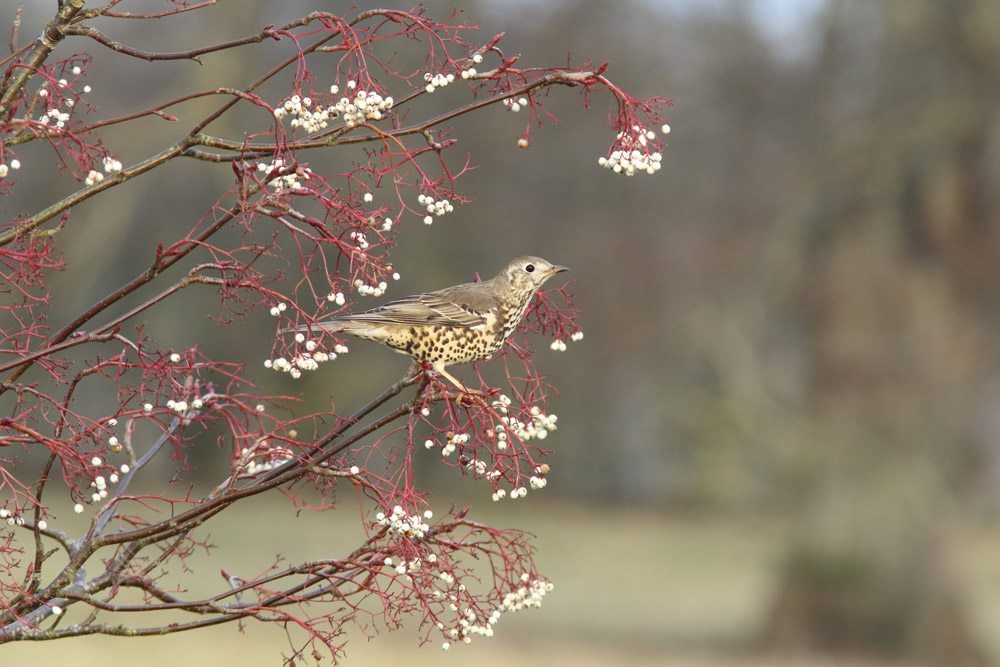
[{"x": 298, "y": 240}]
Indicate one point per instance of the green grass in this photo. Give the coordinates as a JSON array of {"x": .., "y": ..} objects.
[{"x": 631, "y": 588}]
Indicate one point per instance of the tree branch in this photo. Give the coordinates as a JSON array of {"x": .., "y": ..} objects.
[{"x": 51, "y": 35}]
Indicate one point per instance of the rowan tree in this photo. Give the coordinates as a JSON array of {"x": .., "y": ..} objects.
[{"x": 299, "y": 236}]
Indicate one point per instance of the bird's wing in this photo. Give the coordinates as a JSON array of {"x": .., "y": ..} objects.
[{"x": 459, "y": 306}]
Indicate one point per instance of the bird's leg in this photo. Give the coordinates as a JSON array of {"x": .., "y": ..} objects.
[
  {"x": 451, "y": 378},
  {"x": 455, "y": 381}
]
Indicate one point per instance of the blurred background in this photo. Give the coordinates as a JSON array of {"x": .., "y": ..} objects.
[{"x": 779, "y": 441}]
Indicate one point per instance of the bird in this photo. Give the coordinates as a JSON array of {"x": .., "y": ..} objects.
[{"x": 455, "y": 325}]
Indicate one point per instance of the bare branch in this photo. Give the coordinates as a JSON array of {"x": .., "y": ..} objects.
[{"x": 299, "y": 240}]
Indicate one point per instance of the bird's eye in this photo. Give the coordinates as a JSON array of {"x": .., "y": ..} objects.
[{"x": 529, "y": 268}]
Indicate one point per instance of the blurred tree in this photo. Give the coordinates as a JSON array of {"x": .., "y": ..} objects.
[{"x": 900, "y": 275}]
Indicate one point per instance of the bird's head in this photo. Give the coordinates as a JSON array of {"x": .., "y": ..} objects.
[{"x": 527, "y": 274}]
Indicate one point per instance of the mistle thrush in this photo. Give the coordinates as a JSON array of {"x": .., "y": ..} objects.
[{"x": 455, "y": 325}]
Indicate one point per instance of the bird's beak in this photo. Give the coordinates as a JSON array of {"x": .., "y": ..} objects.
[{"x": 557, "y": 269}]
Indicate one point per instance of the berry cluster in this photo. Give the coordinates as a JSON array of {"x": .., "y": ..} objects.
[
  {"x": 399, "y": 523},
  {"x": 287, "y": 181},
  {"x": 438, "y": 208},
  {"x": 633, "y": 154},
  {"x": 313, "y": 117}
]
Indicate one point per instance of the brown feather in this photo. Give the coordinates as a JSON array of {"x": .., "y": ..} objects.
[{"x": 460, "y": 306}]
